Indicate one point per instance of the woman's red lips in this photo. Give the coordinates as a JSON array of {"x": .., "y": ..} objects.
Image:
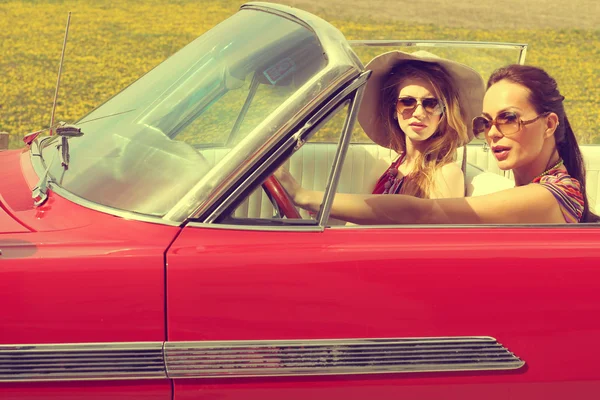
[{"x": 501, "y": 152}]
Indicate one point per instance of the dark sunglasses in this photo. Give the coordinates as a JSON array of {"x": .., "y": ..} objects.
[
  {"x": 507, "y": 122},
  {"x": 431, "y": 105}
]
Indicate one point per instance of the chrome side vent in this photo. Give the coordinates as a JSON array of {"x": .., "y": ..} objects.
[
  {"x": 86, "y": 361},
  {"x": 157, "y": 360},
  {"x": 333, "y": 357}
]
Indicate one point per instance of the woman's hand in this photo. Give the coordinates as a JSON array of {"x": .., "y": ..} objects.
[{"x": 291, "y": 186}]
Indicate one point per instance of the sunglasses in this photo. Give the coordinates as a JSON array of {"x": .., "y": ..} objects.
[
  {"x": 431, "y": 105},
  {"x": 508, "y": 123}
]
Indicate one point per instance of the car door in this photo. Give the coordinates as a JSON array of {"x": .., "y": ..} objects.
[
  {"x": 427, "y": 313},
  {"x": 309, "y": 308}
]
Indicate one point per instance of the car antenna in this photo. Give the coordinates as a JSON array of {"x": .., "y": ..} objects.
[
  {"x": 30, "y": 137},
  {"x": 40, "y": 191},
  {"x": 62, "y": 59}
]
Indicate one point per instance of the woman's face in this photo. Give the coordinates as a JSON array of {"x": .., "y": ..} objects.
[
  {"x": 513, "y": 148},
  {"x": 417, "y": 123}
]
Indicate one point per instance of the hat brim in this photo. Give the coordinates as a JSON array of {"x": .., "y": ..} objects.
[{"x": 467, "y": 81}]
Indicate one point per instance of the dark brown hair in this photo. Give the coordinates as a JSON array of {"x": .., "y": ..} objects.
[{"x": 545, "y": 97}]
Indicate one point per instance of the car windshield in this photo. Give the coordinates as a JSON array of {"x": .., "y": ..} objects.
[{"x": 147, "y": 147}]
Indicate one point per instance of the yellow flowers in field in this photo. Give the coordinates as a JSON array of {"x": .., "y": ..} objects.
[{"x": 111, "y": 43}]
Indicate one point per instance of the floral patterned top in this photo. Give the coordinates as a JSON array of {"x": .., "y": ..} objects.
[{"x": 566, "y": 191}]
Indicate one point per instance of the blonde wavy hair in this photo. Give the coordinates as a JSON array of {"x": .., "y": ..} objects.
[{"x": 451, "y": 132}]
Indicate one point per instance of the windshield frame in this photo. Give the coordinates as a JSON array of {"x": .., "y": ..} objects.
[{"x": 341, "y": 67}]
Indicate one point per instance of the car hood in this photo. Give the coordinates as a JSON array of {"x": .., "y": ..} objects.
[
  {"x": 17, "y": 211},
  {"x": 8, "y": 224},
  {"x": 14, "y": 191}
]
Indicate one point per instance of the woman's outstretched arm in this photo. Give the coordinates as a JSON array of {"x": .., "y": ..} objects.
[{"x": 526, "y": 204}]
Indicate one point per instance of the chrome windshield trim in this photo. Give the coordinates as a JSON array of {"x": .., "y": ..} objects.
[
  {"x": 281, "y": 11},
  {"x": 59, "y": 190},
  {"x": 194, "y": 204},
  {"x": 301, "y": 132},
  {"x": 344, "y": 142},
  {"x": 342, "y": 66},
  {"x": 256, "y": 172},
  {"x": 323, "y": 29},
  {"x": 37, "y": 161}
]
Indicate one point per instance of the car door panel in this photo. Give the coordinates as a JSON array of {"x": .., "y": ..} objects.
[
  {"x": 113, "y": 390},
  {"x": 520, "y": 286}
]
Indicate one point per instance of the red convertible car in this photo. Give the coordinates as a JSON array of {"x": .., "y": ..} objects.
[{"x": 147, "y": 253}]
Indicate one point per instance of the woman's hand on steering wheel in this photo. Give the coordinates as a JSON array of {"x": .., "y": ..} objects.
[
  {"x": 289, "y": 183},
  {"x": 282, "y": 189}
]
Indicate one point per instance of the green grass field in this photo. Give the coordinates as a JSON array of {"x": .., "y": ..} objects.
[{"x": 111, "y": 43}]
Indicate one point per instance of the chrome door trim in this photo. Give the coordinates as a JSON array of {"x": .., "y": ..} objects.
[
  {"x": 336, "y": 357},
  {"x": 251, "y": 358},
  {"x": 82, "y": 362}
]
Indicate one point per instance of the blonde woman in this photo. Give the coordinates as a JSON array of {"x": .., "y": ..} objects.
[{"x": 418, "y": 105}]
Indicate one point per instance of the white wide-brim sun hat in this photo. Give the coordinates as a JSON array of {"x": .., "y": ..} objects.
[{"x": 467, "y": 81}]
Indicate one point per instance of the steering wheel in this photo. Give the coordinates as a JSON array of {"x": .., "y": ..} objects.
[{"x": 281, "y": 199}]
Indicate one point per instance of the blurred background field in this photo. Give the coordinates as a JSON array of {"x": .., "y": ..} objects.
[{"x": 111, "y": 43}]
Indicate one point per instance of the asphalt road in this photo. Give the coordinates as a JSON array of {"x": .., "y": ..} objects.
[{"x": 478, "y": 14}]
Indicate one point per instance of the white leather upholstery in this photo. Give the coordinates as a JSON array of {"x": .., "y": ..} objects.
[
  {"x": 591, "y": 156},
  {"x": 364, "y": 163},
  {"x": 483, "y": 175},
  {"x": 479, "y": 182}
]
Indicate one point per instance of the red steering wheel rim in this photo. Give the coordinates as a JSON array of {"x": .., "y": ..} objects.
[{"x": 281, "y": 197}]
